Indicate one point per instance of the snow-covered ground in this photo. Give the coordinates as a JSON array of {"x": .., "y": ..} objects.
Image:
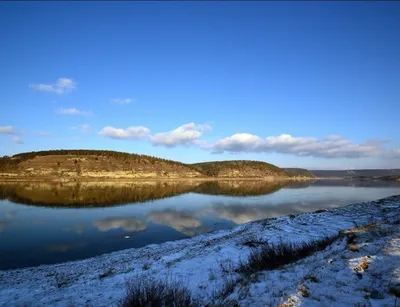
[{"x": 363, "y": 272}]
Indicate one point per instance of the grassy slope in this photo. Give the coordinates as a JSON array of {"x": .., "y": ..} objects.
[
  {"x": 298, "y": 172},
  {"x": 240, "y": 167},
  {"x": 89, "y": 162},
  {"x": 102, "y": 163}
]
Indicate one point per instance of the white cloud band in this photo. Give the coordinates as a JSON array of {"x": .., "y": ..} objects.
[
  {"x": 73, "y": 111},
  {"x": 7, "y": 130},
  {"x": 62, "y": 85},
  {"x": 328, "y": 147},
  {"x": 133, "y": 133},
  {"x": 187, "y": 134}
]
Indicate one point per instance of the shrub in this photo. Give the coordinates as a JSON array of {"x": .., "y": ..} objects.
[
  {"x": 353, "y": 248},
  {"x": 270, "y": 257},
  {"x": 395, "y": 291},
  {"x": 62, "y": 279},
  {"x": 106, "y": 273},
  {"x": 152, "y": 293}
]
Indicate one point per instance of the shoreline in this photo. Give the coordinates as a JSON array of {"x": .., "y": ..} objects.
[
  {"x": 191, "y": 261},
  {"x": 108, "y": 179}
]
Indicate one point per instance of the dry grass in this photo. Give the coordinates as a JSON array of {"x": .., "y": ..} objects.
[
  {"x": 362, "y": 267},
  {"x": 270, "y": 257},
  {"x": 311, "y": 278},
  {"x": 353, "y": 248},
  {"x": 153, "y": 293},
  {"x": 239, "y": 168},
  {"x": 303, "y": 289},
  {"x": 361, "y": 229},
  {"x": 290, "y": 303},
  {"x": 395, "y": 291}
]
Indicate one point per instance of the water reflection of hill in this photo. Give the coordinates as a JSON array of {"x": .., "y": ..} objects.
[
  {"x": 91, "y": 194},
  {"x": 97, "y": 194},
  {"x": 239, "y": 187},
  {"x": 78, "y": 195}
]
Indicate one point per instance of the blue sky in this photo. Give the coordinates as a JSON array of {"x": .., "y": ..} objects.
[{"x": 308, "y": 84}]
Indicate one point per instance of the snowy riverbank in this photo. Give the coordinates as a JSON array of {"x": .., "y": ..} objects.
[{"x": 336, "y": 276}]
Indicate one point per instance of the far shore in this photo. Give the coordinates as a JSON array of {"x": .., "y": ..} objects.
[{"x": 110, "y": 179}]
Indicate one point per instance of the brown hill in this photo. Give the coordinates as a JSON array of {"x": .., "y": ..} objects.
[
  {"x": 239, "y": 169},
  {"x": 92, "y": 164},
  {"x": 298, "y": 172},
  {"x": 101, "y": 164}
]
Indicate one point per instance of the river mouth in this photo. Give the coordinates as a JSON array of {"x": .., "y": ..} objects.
[{"x": 45, "y": 223}]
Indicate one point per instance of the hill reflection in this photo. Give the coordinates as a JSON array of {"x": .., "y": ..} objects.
[
  {"x": 240, "y": 187},
  {"x": 91, "y": 194},
  {"x": 77, "y": 195}
]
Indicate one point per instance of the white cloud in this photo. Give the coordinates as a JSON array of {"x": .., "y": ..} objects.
[
  {"x": 17, "y": 140},
  {"x": 62, "y": 85},
  {"x": 128, "y": 133},
  {"x": 84, "y": 128},
  {"x": 126, "y": 223},
  {"x": 187, "y": 134},
  {"x": 122, "y": 100},
  {"x": 395, "y": 153},
  {"x": 180, "y": 221},
  {"x": 328, "y": 147},
  {"x": 7, "y": 130},
  {"x": 42, "y": 133},
  {"x": 73, "y": 111}
]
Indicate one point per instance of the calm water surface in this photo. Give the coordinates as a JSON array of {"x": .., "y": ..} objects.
[{"x": 45, "y": 223}]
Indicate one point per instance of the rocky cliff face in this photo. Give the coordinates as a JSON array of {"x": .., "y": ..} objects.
[
  {"x": 91, "y": 166},
  {"x": 99, "y": 164}
]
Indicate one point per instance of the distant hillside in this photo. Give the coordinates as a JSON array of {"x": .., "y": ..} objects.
[
  {"x": 239, "y": 169},
  {"x": 298, "y": 172},
  {"x": 389, "y": 178},
  {"x": 103, "y": 164},
  {"x": 92, "y": 164},
  {"x": 356, "y": 173}
]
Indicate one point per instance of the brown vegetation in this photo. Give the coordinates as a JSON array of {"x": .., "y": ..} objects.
[
  {"x": 70, "y": 164},
  {"x": 298, "y": 172},
  {"x": 239, "y": 168},
  {"x": 95, "y": 164},
  {"x": 270, "y": 257},
  {"x": 152, "y": 293}
]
